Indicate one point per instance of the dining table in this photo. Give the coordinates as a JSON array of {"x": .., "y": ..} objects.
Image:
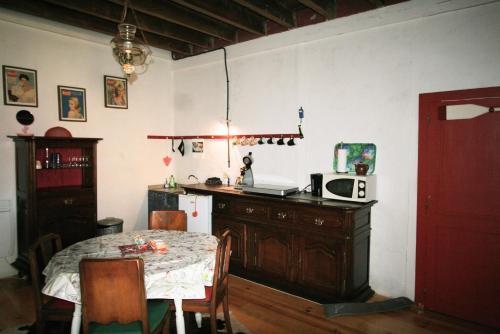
[{"x": 180, "y": 272}]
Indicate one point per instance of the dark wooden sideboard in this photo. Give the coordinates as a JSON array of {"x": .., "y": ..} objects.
[{"x": 311, "y": 247}]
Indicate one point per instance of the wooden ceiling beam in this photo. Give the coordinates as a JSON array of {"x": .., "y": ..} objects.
[
  {"x": 325, "y": 8},
  {"x": 271, "y": 11},
  {"x": 226, "y": 12},
  {"x": 113, "y": 12},
  {"x": 165, "y": 10},
  {"x": 74, "y": 18}
]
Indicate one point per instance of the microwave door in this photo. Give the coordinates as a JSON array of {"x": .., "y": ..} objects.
[{"x": 341, "y": 187}]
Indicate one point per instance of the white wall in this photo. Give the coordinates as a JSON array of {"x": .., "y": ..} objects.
[
  {"x": 358, "y": 79},
  {"x": 127, "y": 161}
]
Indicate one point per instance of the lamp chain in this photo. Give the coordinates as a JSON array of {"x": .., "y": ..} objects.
[
  {"x": 124, "y": 13},
  {"x": 139, "y": 26}
]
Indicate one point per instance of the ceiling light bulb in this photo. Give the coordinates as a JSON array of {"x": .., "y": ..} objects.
[{"x": 128, "y": 68}]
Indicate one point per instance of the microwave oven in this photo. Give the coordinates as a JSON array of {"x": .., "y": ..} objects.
[{"x": 346, "y": 187}]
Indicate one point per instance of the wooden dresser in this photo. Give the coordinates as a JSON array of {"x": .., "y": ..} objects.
[{"x": 308, "y": 246}]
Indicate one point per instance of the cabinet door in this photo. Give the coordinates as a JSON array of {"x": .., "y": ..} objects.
[
  {"x": 73, "y": 225},
  {"x": 320, "y": 263},
  {"x": 159, "y": 200},
  {"x": 238, "y": 239},
  {"x": 271, "y": 252}
]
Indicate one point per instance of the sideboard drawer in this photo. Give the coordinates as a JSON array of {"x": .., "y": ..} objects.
[
  {"x": 250, "y": 210},
  {"x": 52, "y": 203},
  {"x": 320, "y": 219},
  {"x": 221, "y": 205}
]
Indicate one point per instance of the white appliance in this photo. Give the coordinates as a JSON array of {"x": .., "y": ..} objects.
[
  {"x": 356, "y": 188},
  {"x": 199, "y": 212}
]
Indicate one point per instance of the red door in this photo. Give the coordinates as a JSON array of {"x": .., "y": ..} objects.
[{"x": 458, "y": 211}]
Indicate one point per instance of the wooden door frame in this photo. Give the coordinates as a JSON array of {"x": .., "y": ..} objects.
[{"x": 429, "y": 111}]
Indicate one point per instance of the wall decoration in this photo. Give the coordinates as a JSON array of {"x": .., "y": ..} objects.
[
  {"x": 72, "y": 104},
  {"x": 20, "y": 86},
  {"x": 115, "y": 92},
  {"x": 357, "y": 153},
  {"x": 197, "y": 146}
]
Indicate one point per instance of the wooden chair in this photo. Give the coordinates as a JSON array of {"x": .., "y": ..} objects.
[
  {"x": 114, "y": 298},
  {"x": 218, "y": 292},
  {"x": 47, "y": 308},
  {"x": 168, "y": 220}
]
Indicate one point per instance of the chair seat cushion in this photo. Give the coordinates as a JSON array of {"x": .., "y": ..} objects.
[
  {"x": 59, "y": 304},
  {"x": 157, "y": 309},
  {"x": 208, "y": 296}
]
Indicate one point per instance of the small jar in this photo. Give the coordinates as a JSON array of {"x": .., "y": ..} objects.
[{"x": 361, "y": 169}]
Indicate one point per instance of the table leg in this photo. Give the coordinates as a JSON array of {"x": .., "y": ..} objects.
[
  {"x": 77, "y": 319},
  {"x": 179, "y": 316},
  {"x": 197, "y": 316}
]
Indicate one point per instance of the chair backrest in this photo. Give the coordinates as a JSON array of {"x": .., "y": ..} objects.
[
  {"x": 113, "y": 290},
  {"x": 168, "y": 220},
  {"x": 221, "y": 271},
  {"x": 39, "y": 255}
]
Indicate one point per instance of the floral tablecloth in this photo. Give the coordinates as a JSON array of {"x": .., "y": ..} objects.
[{"x": 181, "y": 272}]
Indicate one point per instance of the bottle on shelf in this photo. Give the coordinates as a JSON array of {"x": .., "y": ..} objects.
[{"x": 47, "y": 161}]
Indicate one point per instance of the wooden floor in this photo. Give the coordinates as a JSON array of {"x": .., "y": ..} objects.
[{"x": 266, "y": 311}]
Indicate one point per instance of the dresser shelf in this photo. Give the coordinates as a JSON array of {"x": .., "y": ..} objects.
[{"x": 58, "y": 200}]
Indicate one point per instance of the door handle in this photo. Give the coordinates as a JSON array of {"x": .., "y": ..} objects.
[
  {"x": 319, "y": 221},
  {"x": 68, "y": 201},
  {"x": 281, "y": 215}
]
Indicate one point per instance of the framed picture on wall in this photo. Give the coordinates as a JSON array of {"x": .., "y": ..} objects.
[
  {"x": 115, "y": 92},
  {"x": 19, "y": 86},
  {"x": 197, "y": 146},
  {"x": 72, "y": 104}
]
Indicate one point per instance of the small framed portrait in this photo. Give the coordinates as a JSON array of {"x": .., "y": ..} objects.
[
  {"x": 19, "y": 86},
  {"x": 197, "y": 146},
  {"x": 72, "y": 104},
  {"x": 115, "y": 92}
]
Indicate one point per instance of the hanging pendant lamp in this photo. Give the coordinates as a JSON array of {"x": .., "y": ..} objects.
[{"x": 132, "y": 55}]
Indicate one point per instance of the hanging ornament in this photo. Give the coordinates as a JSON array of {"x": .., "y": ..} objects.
[
  {"x": 181, "y": 147},
  {"x": 194, "y": 213}
]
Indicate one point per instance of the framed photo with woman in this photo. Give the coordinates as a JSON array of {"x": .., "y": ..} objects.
[
  {"x": 19, "y": 86},
  {"x": 72, "y": 104},
  {"x": 115, "y": 92}
]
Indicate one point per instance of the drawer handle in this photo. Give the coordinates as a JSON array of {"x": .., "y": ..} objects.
[
  {"x": 221, "y": 205},
  {"x": 319, "y": 221},
  {"x": 68, "y": 201},
  {"x": 249, "y": 210},
  {"x": 281, "y": 215}
]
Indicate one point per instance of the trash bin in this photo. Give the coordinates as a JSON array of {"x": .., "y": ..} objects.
[{"x": 109, "y": 225}]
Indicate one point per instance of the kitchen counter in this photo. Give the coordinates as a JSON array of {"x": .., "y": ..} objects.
[{"x": 304, "y": 198}]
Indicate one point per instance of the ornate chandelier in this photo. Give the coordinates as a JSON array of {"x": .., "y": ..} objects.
[{"x": 132, "y": 55}]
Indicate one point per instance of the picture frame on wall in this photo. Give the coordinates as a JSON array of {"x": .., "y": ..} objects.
[
  {"x": 19, "y": 86},
  {"x": 115, "y": 92},
  {"x": 197, "y": 146},
  {"x": 72, "y": 104}
]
